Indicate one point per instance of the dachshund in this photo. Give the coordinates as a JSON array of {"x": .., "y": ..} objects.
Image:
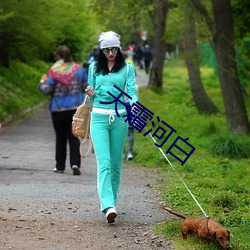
[{"x": 204, "y": 229}]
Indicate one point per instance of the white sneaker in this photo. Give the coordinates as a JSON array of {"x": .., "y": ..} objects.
[
  {"x": 111, "y": 214},
  {"x": 58, "y": 171},
  {"x": 129, "y": 156}
]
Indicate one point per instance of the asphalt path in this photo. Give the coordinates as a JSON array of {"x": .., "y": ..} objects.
[
  {"x": 31, "y": 190},
  {"x": 26, "y": 164}
]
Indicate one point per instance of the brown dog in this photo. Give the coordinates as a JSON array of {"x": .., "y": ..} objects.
[{"x": 204, "y": 229}]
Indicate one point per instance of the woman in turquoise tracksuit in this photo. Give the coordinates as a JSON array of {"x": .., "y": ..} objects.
[{"x": 109, "y": 130}]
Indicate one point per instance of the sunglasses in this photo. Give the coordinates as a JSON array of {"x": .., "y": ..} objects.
[{"x": 106, "y": 51}]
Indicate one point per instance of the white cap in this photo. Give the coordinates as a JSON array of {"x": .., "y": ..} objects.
[{"x": 109, "y": 39}]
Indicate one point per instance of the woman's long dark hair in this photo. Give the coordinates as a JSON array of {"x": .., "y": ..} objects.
[{"x": 102, "y": 67}]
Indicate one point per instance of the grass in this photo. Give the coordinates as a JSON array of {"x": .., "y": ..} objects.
[
  {"x": 19, "y": 88},
  {"x": 231, "y": 146},
  {"x": 217, "y": 172}
]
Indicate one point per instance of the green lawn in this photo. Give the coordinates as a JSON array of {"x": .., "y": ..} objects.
[{"x": 217, "y": 173}]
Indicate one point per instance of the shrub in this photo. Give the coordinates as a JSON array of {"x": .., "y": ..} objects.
[{"x": 231, "y": 146}]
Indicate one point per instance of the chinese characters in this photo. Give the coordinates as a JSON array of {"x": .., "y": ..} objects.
[{"x": 180, "y": 149}]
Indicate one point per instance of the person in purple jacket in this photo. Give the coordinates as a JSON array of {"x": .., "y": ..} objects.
[{"x": 65, "y": 83}]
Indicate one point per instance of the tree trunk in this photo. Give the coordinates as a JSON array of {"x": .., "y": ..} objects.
[
  {"x": 159, "y": 47},
  {"x": 223, "y": 38},
  {"x": 233, "y": 98},
  {"x": 201, "y": 99}
]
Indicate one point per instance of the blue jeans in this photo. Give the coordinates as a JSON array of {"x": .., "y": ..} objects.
[{"x": 108, "y": 139}]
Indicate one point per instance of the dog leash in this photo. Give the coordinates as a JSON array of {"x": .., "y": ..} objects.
[{"x": 180, "y": 178}]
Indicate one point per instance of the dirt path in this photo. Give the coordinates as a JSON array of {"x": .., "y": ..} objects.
[{"x": 43, "y": 210}]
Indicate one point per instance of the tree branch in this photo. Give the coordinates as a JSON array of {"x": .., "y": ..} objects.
[{"x": 202, "y": 9}]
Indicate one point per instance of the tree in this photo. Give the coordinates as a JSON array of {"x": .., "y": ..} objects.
[
  {"x": 127, "y": 17},
  {"x": 201, "y": 99},
  {"x": 28, "y": 33},
  {"x": 223, "y": 38},
  {"x": 159, "y": 44}
]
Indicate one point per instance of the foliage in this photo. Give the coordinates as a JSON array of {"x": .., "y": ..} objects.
[
  {"x": 242, "y": 37},
  {"x": 27, "y": 33},
  {"x": 243, "y": 60},
  {"x": 128, "y": 18},
  {"x": 175, "y": 25},
  {"x": 241, "y": 17},
  {"x": 219, "y": 183}
]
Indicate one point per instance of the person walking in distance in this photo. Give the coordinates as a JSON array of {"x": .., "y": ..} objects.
[
  {"x": 131, "y": 137},
  {"x": 65, "y": 84},
  {"x": 109, "y": 130},
  {"x": 147, "y": 54},
  {"x": 131, "y": 129}
]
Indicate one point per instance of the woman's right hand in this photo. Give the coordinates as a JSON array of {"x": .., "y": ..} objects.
[
  {"x": 90, "y": 91},
  {"x": 43, "y": 79}
]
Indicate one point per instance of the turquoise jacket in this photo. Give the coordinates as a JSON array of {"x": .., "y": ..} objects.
[{"x": 102, "y": 84}]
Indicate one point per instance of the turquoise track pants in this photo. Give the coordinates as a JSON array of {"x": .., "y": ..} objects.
[{"x": 108, "y": 138}]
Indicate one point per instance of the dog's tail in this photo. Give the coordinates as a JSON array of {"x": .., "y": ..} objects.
[{"x": 175, "y": 213}]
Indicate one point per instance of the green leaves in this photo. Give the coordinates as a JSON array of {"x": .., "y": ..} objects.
[{"x": 28, "y": 33}]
